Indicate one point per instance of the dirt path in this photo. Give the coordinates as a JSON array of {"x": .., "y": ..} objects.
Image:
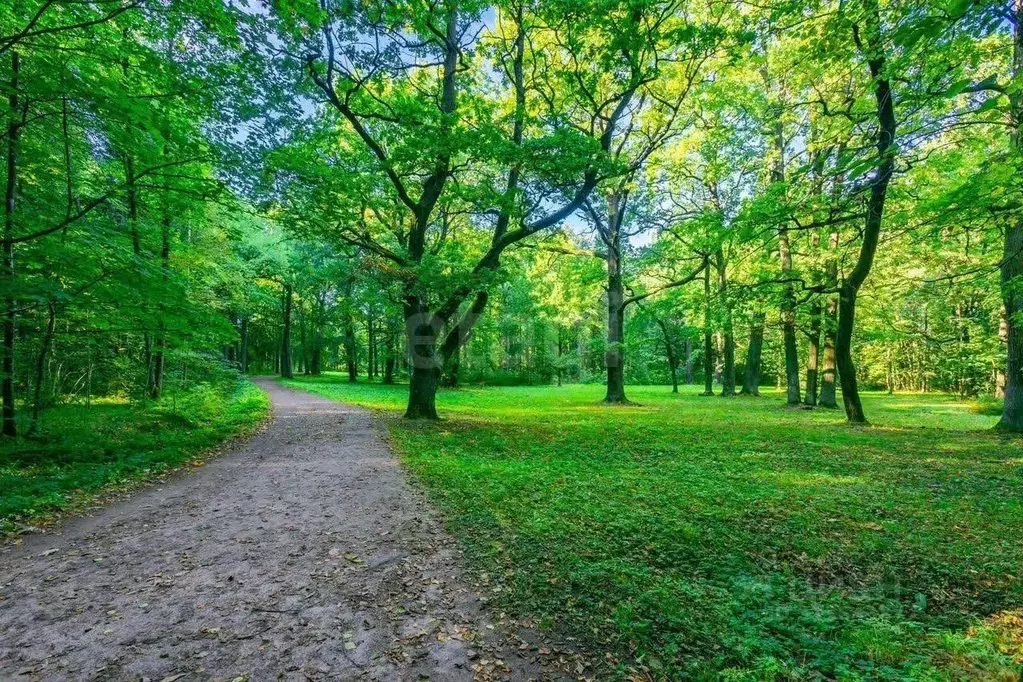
[{"x": 302, "y": 554}]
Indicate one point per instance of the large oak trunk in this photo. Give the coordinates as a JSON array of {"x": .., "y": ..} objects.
[{"x": 422, "y": 393}]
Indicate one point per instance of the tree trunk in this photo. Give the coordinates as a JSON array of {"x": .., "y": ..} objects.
[
  {"x": 9, "y": 428},
  {"x": 690, "y": 377},
  {"x": 453, "y": 367},
  {"x": 286, "y": 335},
  {"x": 708, "y": 336},
  {"x": 422, "y": 393},
  {"x": 425, "y": 359},
  {"x": 751, "y": 380},
  {"x": 303, "y": 340},
  {"x": 1003, "y": 336},
  {"x": 351, "y": 352},
  {"x": 669, "y": 349},
  {"x": 875, "y": 214},
  {"x": 370, "y": 347},
  {"x": 243, "y": 347},
  {"x": 44, "y": 349},
  {"x": 159, "y": 361},
  {"x": 1012, "y": 264},
  {"x": 728, "y": 333},
  {"x": 614, "y": 356},
  {"x": 814, "y": 352}
]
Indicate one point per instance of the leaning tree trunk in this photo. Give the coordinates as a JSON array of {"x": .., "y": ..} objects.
[
  {"x": 286, "y": 335},
  {"x": 872, "y": 227},
  {"x": 751, "y": 380},
  {"x": 1012, "y": 265}
]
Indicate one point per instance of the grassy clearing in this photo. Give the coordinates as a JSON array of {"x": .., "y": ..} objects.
[
  {"x": 82, "y": 452},
  {"x": 705, "y": 538}
]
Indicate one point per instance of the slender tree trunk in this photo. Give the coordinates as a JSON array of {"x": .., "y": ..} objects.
[
  {"x": 614, "y": 356},
  {"x": 159, "y": 362},
  {"x": 690, "y": 376},
  {"x": 751, "y": 380},
  {"x": 453, "y": 368},
  {"x": 389, "y": 358},
  {"x": 351, "y": 351},
  {"x": 286, "y": 371},
  {"x": 1003, "y": 336},
  {"x": 813, "y": 356},
  {"x": 875, "y": 215},
  {"x": 828, "y": 397},
  {"x": 708, "y": 336},
  {"x": 1012, "y": 263},
  {"x": 243, "y": 348},
  {"x": 44, "y": 349},
  {"x": 788, "y": 305},
  {"x": 728, "y": 332},
  {"x": 9, "y": 428},
  {"x": 669, "y": 349},
  {"x": 318, "y": 320},
  {"x": 303, "y": 339},
  {"x": 371, "y": 347}
]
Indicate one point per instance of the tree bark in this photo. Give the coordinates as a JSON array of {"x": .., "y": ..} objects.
[
  {"x": 9, "y": 428},
  {"x": 286, "y": 334},
  {"x": 669, "y": 349},
  {"x": 159, "y": 361},
  {"x": 351, "y": 351},
  {"x": 1012, "y": 263},
  {"x": 751, "y": 379},
  {"x": 243, "y": 348},
  {"x": 813, "y": 355},
  {"x": 728, "y": 332},
  {"x": 44, "y": 349},
  {"x": 708, "y": 336},
  {"x": 874, "y": 51},
  {"x": 690, "y": 378},
  {"x": 828, "y": 397},
  {"x": 614, "y": 355},
  {"x": 389, "y": 358}
]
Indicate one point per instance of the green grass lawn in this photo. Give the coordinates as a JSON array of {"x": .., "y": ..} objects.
[
  {"x": 82, "y": 452},
  {"x": 711, "y": 538}
]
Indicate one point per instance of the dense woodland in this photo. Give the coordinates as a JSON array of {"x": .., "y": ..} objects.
[{"x": 819, "y": 195}]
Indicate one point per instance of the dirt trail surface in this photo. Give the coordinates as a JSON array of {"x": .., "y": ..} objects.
[{"x": 301, "y": 554}]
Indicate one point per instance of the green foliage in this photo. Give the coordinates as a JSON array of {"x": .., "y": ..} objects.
[
  {"x": 783, "y": 546},
  {"x": 83, "y": 452}
]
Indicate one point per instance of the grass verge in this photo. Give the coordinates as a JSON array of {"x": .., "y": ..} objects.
[
  {"x": 83, "y": 453},
  {"x": 710, "y": 538}
]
